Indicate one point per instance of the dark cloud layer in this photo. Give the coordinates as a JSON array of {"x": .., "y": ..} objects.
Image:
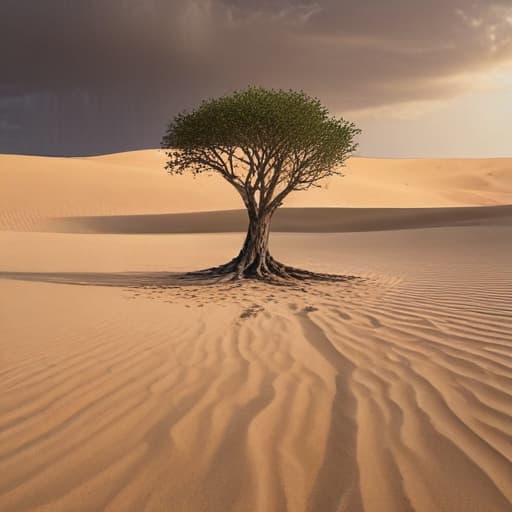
[{"x": 88, "y": 76}]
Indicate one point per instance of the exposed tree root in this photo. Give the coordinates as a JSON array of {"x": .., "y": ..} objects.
[{"x": 267, "y": 269}]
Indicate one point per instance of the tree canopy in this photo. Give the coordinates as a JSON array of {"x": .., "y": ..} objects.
[{"x": 266, "y": 143}]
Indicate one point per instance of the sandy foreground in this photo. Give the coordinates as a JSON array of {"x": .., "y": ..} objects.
[{"x": 121, "y": 391}]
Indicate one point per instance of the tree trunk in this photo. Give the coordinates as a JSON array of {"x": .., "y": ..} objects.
[{"x": 254, "y": 259}]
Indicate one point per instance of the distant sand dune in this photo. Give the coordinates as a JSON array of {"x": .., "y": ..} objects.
[{"x": 33, "y": 189}]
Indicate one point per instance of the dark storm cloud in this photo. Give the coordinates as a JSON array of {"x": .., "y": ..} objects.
[{"x": 100, "y": 75}]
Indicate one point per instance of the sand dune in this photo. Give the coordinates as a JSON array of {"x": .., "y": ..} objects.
[
  {"x": 35, "y": 188},
  {"x": 121, "y": 390}
]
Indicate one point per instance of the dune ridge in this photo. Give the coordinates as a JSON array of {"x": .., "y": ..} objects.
[
  {"x": 34, "y": 189},
  {"x": 287, "y": 220}
]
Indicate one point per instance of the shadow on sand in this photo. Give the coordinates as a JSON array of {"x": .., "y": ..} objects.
[
  {"x": 139, "y": 279},
  {"x": 288, "y": 220},
  {"x": 116, "y": 279}
]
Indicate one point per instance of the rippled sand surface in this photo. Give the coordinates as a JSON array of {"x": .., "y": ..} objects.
[
  {"x": 121, "y": 390},
  {"x": 388, "y": 393}
]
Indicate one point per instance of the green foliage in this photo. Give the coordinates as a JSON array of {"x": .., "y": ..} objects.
[{"x": 264, "y": 142}]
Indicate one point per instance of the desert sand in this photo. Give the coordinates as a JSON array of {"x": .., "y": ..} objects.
[{"x": 121, "y": 390}]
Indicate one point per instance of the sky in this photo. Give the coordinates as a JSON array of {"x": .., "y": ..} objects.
[{"x": 421, "y": 78}]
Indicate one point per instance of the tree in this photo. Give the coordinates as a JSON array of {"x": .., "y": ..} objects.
[{"x": 266, "y": 144}]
